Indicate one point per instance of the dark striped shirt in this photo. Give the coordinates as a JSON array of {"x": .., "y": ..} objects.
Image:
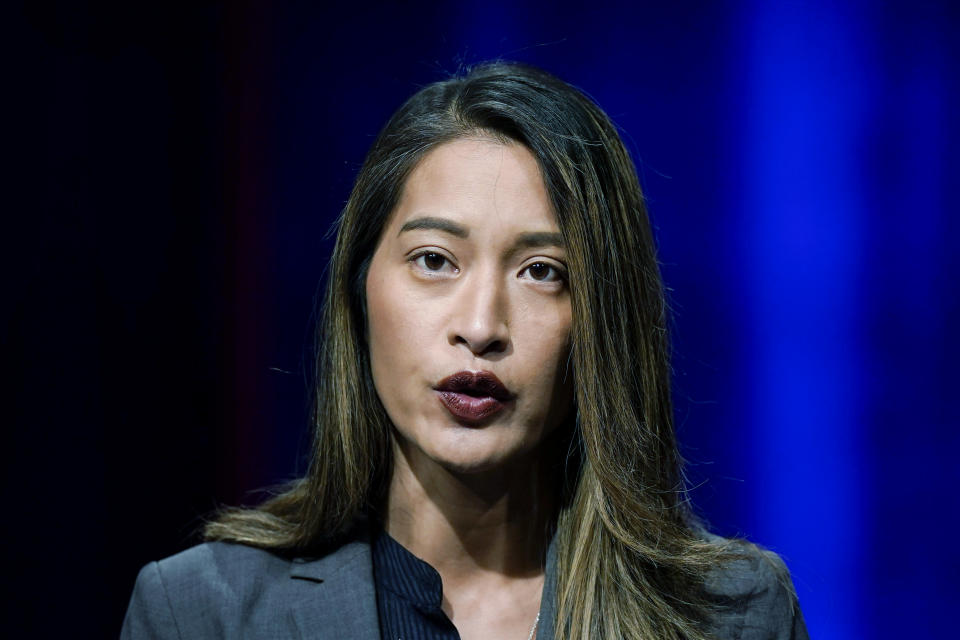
[{"x": 409, "y": 594}]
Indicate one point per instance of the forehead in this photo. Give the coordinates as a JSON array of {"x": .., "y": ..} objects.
[{"x": 477, "y": 182}]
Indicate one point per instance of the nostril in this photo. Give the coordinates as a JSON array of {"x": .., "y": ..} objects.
[{"x": 480, "y": 336}]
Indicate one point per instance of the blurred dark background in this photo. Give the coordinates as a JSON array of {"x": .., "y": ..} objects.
[{"x": 175, "y": 170}]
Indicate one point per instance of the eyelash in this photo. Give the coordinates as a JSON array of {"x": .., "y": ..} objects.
[
  {"x": 423, "y": 254},
  {"x": 560, "y": 274}
]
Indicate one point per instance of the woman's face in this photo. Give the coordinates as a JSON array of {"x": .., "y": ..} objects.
[{"x": 469, "y": 310}]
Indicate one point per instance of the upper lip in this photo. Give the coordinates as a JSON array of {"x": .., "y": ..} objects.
[{"x": 481, "y": 382}]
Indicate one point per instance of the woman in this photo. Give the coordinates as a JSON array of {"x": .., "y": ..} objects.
[{"x": 494, "y": 450}]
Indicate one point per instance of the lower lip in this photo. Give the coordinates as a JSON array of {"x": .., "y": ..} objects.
[{"x": 470, "y": 408}]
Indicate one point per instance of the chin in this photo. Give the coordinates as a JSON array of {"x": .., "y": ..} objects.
[
  {"x": 474, "y": 452},
  {"x": 468, "y": 467}
]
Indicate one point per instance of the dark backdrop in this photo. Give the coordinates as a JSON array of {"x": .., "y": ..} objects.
[{"x": 175, "y": 171}]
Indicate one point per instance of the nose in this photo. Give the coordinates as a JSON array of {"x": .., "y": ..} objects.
[{"x": 479, "y": 316}]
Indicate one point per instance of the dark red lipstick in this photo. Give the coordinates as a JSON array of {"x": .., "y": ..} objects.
[{"x": 473, "y": 396}]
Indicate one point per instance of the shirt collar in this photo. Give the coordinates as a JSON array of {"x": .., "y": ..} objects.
[{"x": 406, "y": 575}]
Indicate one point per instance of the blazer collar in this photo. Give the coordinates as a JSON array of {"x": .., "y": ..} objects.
[
  {"x": 548, "y": 598},
  {"x": 334, "y": 596}
]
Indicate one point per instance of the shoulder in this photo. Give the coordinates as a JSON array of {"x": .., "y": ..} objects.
[
  {"x": 755, "y": 597},
  {"x": 222, "y": 566},
  {"x": 228, "y": 590},
  {"x": 194, "y": 592}
]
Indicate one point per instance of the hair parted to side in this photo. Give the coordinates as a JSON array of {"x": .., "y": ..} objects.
[{"x": 631, "y": 560}]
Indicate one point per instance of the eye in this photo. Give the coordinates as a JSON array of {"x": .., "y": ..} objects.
[
  {"x": 432, "y": 262},
  {"x": 544, "y": 272}
]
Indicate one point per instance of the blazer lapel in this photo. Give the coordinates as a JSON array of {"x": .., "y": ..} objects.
[
  {"x": 334, "y": 596},
  {"x": 548, "y": 598}
]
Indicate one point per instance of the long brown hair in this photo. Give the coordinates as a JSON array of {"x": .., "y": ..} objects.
[{"x": 631, "y": 560}]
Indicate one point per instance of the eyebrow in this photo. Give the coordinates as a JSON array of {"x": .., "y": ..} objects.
[
  {"x": 539, "y": 239},
  {"x": 440, "y": 224},
  {"x": 524, "y": 240}
]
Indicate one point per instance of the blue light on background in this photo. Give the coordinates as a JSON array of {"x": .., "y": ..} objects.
[
  {"x": 808, "y": 101},
  {"x": 800, "y": 161},
  {"x": 796, "y": 161}
]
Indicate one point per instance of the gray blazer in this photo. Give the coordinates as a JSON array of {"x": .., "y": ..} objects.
[{"x": 223, "y": 590}]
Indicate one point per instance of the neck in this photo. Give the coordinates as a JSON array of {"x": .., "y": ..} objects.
[{"x": 464, "y": 525}]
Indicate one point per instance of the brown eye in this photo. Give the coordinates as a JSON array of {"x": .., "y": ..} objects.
[
  {"x": 433, "y": 261},
  {"x": 544, "y": 272},
  {"x": 539, "y": 271}
]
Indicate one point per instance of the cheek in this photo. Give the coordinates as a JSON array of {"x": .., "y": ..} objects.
[
  {"x": 549, "y": 330},
  {"x": 396, "y": 341},
  {"x": 380, "y": 329},
  {"x": 394, "y": 332},
  {"x": 547, "y": 355},
  {"x": 559, "y": 385}
]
